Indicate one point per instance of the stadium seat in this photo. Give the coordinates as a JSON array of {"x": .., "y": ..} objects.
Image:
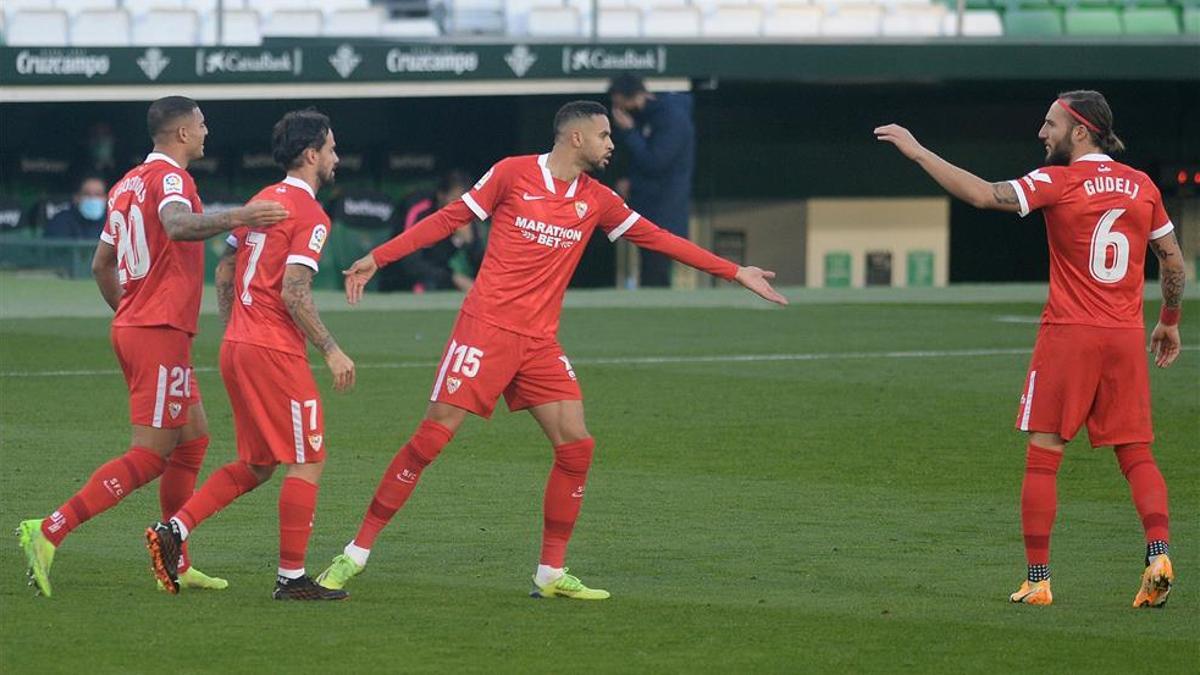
[
  {"x": 355, "y": 22},
  {"x": 293, "y": 23},
  {"x": 976, "y": 23},
  {"x": 330, "y": 6},
  {"x": 671, "y": 22},
  {"x": 1151, "y": 21},
  {"x": 913, "y": 21},
  {"x": 38, "y": 28},
  {"x": 733, "y": 21},
  {"x": 241, "y": 28},
  {"x": 136, "y": 8},
  {"x": 554, "y": 22},
  {"x": 707, "y": 7},
  {"x": 1092, "y": 21},
  {"x": 853, "y": 20},
  {"x": 100, "y": 28},
  {"x": 478, "y": 16},
  {"x": 265, "y": 7},
  {"x": 204, "y": 7},
  {"x": 167, "y": 28},
  {"x": 620, "y": 22},
  {"x": 794, "y": 20},
  {"x": 1032, "y": 23},
  {"x": 647, "y": 5},
  {"x": 74, "y": 7},
  {"x": 410, "y": 28},
  {"x": 1191, "y": 20},
  {"x": 13, "y": 6}
]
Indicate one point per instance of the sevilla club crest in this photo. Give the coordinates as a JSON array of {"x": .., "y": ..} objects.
[
  {"x": 452, "y": 384},
  {"x": 175, "y": 409},
  {"x": 580, "y": 208},
  {"x": 315, "y": 440}
]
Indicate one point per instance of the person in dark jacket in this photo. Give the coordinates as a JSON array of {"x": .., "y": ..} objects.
[
  {"x": 660, "y": 137},
  {"x": 85, "y": 217},
  {"x": 452, "y": 262}
]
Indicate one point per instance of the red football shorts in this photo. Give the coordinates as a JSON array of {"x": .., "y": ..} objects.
[
  {"x": 277, "y": 413},
  {"x": 483, "y": 361},
  {"x": 157, "y": 362},
  {"x": 1084, "y": 373}
]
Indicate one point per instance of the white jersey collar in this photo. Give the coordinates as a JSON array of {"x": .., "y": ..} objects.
[
  {"x": 1094, "y": 157},
  {"x": 297, "y": 182},
  {"x": 549, "y": 179},
  {"x": 158, "y": 156}
]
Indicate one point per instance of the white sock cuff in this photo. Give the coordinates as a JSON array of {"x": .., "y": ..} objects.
[
  {"x": 357, "y": 553},
  {"x": 291, "y": 574},
  {"x": 183, "y": 529}
]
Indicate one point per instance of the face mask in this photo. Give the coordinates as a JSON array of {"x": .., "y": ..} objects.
[{"x": 91, "y": 208}]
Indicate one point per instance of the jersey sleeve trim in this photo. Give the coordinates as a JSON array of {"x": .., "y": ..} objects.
[
  {"x": 107, "y": 238},
  {"x": 1163, "y": 231},
  {"x": 1021, "y": 197},
  {"x": 294, "y": 259},
  {"x": 174, "y": 198},
  {"x": 623, "y": 227},
  {"x": 232, "y": 240},
  {"x": 474, "y": 206}
]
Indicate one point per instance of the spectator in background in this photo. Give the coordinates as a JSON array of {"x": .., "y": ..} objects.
[
  {"x": 85, "y": 218},
  {"x": 452, "y": 262},
  {"x": 658, "y": 132}
]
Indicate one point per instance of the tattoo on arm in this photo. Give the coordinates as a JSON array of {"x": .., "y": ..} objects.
[
  {"x": 1004, "y": 193},
  {"x": 1172, "y": 274},
  {"x": 225, "y": 286},
  {"x": 297, "y": 295},
  {"x": 183, "y": 225}
]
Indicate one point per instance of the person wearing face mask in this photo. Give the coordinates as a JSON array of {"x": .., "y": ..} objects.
[{"x": 85, "y": 218}]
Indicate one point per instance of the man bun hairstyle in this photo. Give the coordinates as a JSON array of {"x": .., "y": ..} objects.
[
  {"x": 1092, "y": 106},
  {"x": 296, "y": 132},
  {"x": 165, "y": 112},
  {"x": 577, "y": 110}
]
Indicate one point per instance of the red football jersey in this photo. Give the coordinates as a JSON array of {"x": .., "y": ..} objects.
[
  {"x": 1100, "y": 215},
  {"x": 259, "y": 315},
  {"x": 162, "y": 279}
]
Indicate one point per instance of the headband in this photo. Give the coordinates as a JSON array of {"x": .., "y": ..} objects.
[{"x": 1082, "y": 120}]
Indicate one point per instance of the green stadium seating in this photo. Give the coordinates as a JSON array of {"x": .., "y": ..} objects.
[
  {"x": 1191, "y": 20},
  {"x": 1030, "y": 4},
  {"x": 1091, "y": 3},
  {"x": 1151, "y": 21},
  {"x": 1092, "y": 21},
  {"x": 1032, "y": 23}
]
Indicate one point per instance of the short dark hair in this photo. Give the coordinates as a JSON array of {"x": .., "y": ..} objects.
[
  {"x": 166, "y": 111},
  {"x": 90, "y": 176},
  {"x": 626, "y": 84},
  {"x": 452, "y": 179},
  {"x": 1093, "y": 107},
  {"x": 577, "y": 110},
  {"x": 296, "y": 132}
]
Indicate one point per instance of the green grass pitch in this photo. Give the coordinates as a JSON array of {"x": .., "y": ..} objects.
[{"x": 842, "y": 498}]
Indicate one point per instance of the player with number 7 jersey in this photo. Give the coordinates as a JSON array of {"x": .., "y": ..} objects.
[
  {"x": 1089, "y": 365},
  {"x": 264, "y": 287}
]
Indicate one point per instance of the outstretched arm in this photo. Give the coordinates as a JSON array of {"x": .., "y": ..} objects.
[
  {"x": 1165, "y": 341},
  {"x": 183, "y": 225},
  {"x": 297, "y": 296},
  {"x": 104, "y": 271},
  {"x": 649, "y": 236},
  {"x": 426, "y": 232},
  {"x": 224, "y": 281},
  {"x": 959, "y": 182}
]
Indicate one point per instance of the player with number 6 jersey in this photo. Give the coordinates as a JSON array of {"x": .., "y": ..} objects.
[
  {"x": 1089, "y": 365},
  {"x": 149, "y": 266},
  {"x": 544, "y": 209},
  {"x": 264, "y": 287}
]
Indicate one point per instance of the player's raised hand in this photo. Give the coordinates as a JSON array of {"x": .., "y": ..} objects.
[
  {"x": 1164, "y": 344},
  {"x": 757, "y": 280},
  {"x": 901, "y": 138},
  {"x": 342, "y": 368},
  {"x": 259, "y": 214},
  {"x": 357, "y": 277}
]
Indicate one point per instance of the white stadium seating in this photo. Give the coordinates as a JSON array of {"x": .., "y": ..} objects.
[
  {"x": 408, "y": 29},
  {"x": 103, "y": 28},
  {"x": 554, "y": 22},
  {"x": 137, "y": 8},
  {"x": 620, "y": 22},
  {"x": 293, "y": 23},
  {"x": 671, "y": 22},
  {"x": 853, "y": 20},
  {"x": 242, "y": 28},
  {"x": 355, "y": 22},
  {"x": 733, "y": 21},
  {"x": 167, "y": 28},
  {"x": 914, "y": 21},
  {"x": 976, "y": 23},
  {"x": 794, "y": 21},
  {"x": 38, "y": 28},
  {"x": 76, "y": 6}
]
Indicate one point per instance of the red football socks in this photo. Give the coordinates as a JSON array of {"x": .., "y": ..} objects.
[
  {"x": 1147, "y": 487},
  {"x": 564, "y": 496},
  {"x": 297, "y": 504},
  {"x": 110, "y": 484},
  {"x": 400, "y": 479},
  {"x": 225, "y": 485},
  {"x": 178, "y": 482},
  {"x": 1039, "y": 502}
]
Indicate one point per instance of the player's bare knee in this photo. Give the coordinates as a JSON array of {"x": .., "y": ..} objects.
[
  {"x": 309, "y": 472},
  {"x": 262, "y": 472},
  {"x": 1049, "y": 441},
  {"x": 448, "y": 416},
  {"x": 159, "y": 441}
]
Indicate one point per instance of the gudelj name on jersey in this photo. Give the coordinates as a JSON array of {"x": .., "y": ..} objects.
[
  {"x": 553, "y": 236},
  {"x": 1099, "y": 184}
]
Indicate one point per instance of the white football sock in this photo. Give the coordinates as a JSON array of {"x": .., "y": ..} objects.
[
  {"x": 547, "y": 575},
  {"x": 183, "y": 529},
  {"x": 291, "y": 574},
  {"x": 357, "y": 553}
]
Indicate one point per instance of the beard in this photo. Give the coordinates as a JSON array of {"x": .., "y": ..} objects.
[
  {"x": 327, "y": 177},
  {"x": 1059, "y": 154},
  {"x": 597, "y": 165}
]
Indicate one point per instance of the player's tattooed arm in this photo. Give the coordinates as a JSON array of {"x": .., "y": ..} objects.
[
  {"x": 1171, "y": 269},
  {"x": 1005, "y": 195},
  {"x": 183, "y": 225},
  {"x": 297, "y": 295},
  {"x": 224, "y": 280},
  {"x": 104, "y": 270}
]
